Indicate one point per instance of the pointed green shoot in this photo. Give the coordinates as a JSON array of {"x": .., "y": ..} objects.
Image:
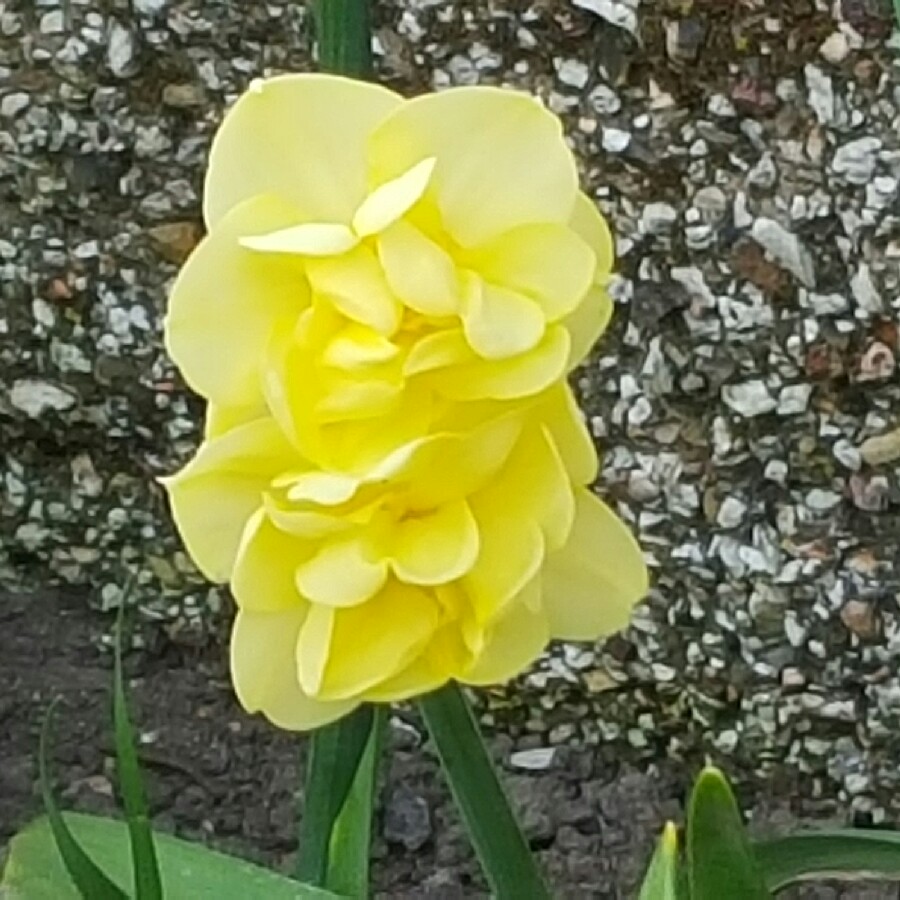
[
  {"x": 147, "y": 884},
  {"x": 89, "y": 879},
  {"x": 719, "y": 857}
]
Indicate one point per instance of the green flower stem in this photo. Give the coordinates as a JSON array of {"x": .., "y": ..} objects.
[
  {"x": 335, "y": 753},
  {"x": 510, "y": 868},
  {"x": 344, "y": 37}
]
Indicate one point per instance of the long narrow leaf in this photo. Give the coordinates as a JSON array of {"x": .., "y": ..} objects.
[
  {"x": 841, "y": 855},
  {"x": 147, "y": 885},
  {"x": 344, "y": 36},
  {"x": 351, "y": 838},
  {"x": 501, "y": 847},
  {"x": 661, "y": 881},
  {"x": 719, "y": 858},
  {"x": 33, "y": 871},
  {"x": 89, "y": 879},
  {"x": 334, "y": 756}
]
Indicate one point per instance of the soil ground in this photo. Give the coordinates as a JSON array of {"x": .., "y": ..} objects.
[{"x": 217, "y": 775}]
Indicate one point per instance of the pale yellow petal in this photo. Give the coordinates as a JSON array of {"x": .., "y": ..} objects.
[
  {"x": 302, "y": 137},
  {"x": 372, "y": 642},
  {"x": 508, "y": 379},
  {"x": 390, "y": 201},
  {"x": 305, "y": 239},
  {"x": 511, "y": 553},
  {"x": 306, "y": 524},
  {"x": 356, "y": 286},
  {"x": 568, "y": 429},
  {"x": 534, "y": 485},
  {"x": 342, "y": 573},
  {"x": 314, "y": 647},
  {"x": 263, "y": 576},
  {"x": 501, "y": 159},
  {"x": 358, "y": 347},
  {"x": 264, "y": 671},
  {"x": 325, "y": 488},
  {"x": 437, "y": 351},
  {"x": 466, "y": 461},
  {"x": 594, "y": 230},
  {"x": 216, "y": 493},
  {"x": 586, "y": 323},
  {"x": 591, "y": 585},
  {"x": 513, "y": 642},
  {"x": 500, "y": 323},
  {"x": 357, "y": 398},
  {"x": 549, "y": 263},
  {"x": 445, "y": 657},
  {"x": 220, "y": 419},
  {"x": 437, "y": 547},
  {"x": 226, "y": 303},
  {"x": 421, "y": 273}
]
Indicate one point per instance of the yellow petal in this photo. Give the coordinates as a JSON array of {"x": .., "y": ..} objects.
[
  {"x": 500, "y": 323},
  {"x": 586, "y": 323},
  {"x": 227, "y": 301},
  {"x": 306, "y": 524},
  {"x": 264, "y": 671},
  {"x": 437, "y": 351},
  {"x": 511, "y": 553},
  {"x": 467, "y": 462},
  {"x": 436, "y": 548},
  {"x": 325, "y": 488},
  {"x": 341, "y": 574},
  {"x": 358, "y": 347},
  {"x": 534, "y": 485},
  {"x": 356, "y": 286},
  {"x": 513, "y": 642},
  {"x": 594, "y": 581},
  {"x": 594, "y": 230},
  {"x": 306, "y": 239},
  {"x": 421, "y": 273},
  {"x": 220, "y": 419},
  {"x": 216, "y": 493},
  {"x": 372, "y": 642},
  {"x": 549, "y": 263},
  {"x": 302, "y": 137},
  {"x": 570, "y": 434},
  {"x": 314, "y": 647},
  {"x": 444, "y": 658},
  {"x": 392, "y": 200},
  {"x": 263, "y": 576},
  {"x": 501, "y": 159},
  {"x": 357, "y": 398},
  {"x": 508, "y": 379}
]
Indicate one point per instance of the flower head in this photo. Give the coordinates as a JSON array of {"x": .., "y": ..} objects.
[{"x": 382, "y": 318}]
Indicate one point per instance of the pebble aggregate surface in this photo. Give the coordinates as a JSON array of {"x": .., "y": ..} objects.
[{"x": 746, "y": 398}]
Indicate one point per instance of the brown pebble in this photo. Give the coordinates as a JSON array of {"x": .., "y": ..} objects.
[
  {"x": 859, "y": 617},
  {"x": 176, "y": 240},
  {"x": 59, "y": 291}
]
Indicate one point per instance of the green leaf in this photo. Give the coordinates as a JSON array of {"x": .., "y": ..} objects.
[
  {"x": 661, "y": 882},
  {"x": 190, "y": 872},
  {"x": 719, "y": 858},
  {"x": 344, "y": 37},
  {"x": 84, "y": 877},
  {"x": 147, "y": 884},
  {"x": 505, "y": 857},
  {"x": 351, "y": 838},
  {"x": 334, "y": 757},
  {"x": 842, "y": 855}
]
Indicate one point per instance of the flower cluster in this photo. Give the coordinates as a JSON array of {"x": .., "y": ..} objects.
[{"x": 394, "y": 472}]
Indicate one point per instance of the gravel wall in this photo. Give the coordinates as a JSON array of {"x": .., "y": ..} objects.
[{"x": 748, "y": 155}]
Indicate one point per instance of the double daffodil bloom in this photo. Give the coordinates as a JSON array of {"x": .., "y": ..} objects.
[{"x": 382, "y": 318}]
